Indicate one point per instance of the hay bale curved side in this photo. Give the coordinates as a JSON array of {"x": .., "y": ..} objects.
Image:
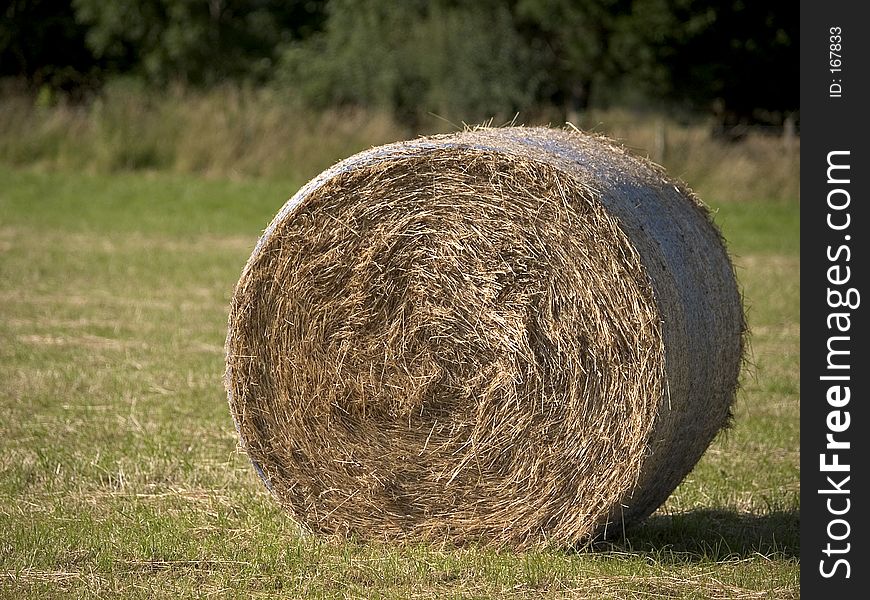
[
  {"x": 509, "y": 336},
  {"x": 700, "y": 305}
]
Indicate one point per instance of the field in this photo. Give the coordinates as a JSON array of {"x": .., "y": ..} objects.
[{"x": 119, "y": 471}]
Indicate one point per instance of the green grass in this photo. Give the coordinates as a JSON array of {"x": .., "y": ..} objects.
[{"x": 119, "y": 474}]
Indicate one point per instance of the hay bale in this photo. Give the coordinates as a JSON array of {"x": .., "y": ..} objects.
[{"x": 505, "y": 336}]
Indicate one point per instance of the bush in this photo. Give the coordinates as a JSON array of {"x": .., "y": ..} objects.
[{"x": 462, "y": 61}]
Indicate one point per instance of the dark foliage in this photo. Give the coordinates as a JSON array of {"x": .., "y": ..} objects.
[{"x": 454, "y": 58}]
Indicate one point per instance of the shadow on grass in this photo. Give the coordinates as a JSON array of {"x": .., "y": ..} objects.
[{"x": 710, "y": 535}]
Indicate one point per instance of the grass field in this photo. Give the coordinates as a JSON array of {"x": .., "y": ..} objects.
[{"x": 119, "y": 473}]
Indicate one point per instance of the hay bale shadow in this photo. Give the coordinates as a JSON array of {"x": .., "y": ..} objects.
[{"x": 710, "y": 534}]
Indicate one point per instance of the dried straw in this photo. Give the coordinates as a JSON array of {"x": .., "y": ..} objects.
[{"x": 502, "y": 336}]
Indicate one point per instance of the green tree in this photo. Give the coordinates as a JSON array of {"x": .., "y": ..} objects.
[
  {"x": 574, "y": 41},
  {"x": 42, "y": 44},
  {"x": 195, "y": 41},
  {"x": 462, "y": 60},
  {"x": 739, "y": 57}
]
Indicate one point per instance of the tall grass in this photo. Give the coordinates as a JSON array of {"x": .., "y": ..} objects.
[
  {"x": 240, "y": 133},
  {"x": 224, "y": 133}
]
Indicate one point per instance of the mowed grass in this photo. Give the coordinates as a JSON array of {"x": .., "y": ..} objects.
[{"x": 119, "y": 469}]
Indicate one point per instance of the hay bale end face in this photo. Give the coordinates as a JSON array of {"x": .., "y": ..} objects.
[{"x": 504, "y": 336}]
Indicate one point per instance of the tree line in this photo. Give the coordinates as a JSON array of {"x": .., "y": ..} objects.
[{"x": 466, "y": 59}]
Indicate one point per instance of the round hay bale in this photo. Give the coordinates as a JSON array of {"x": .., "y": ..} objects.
[{"x": 502, "y": 336}]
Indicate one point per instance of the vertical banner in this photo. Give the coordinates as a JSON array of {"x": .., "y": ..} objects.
[{"x": 835, "y": 425}]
